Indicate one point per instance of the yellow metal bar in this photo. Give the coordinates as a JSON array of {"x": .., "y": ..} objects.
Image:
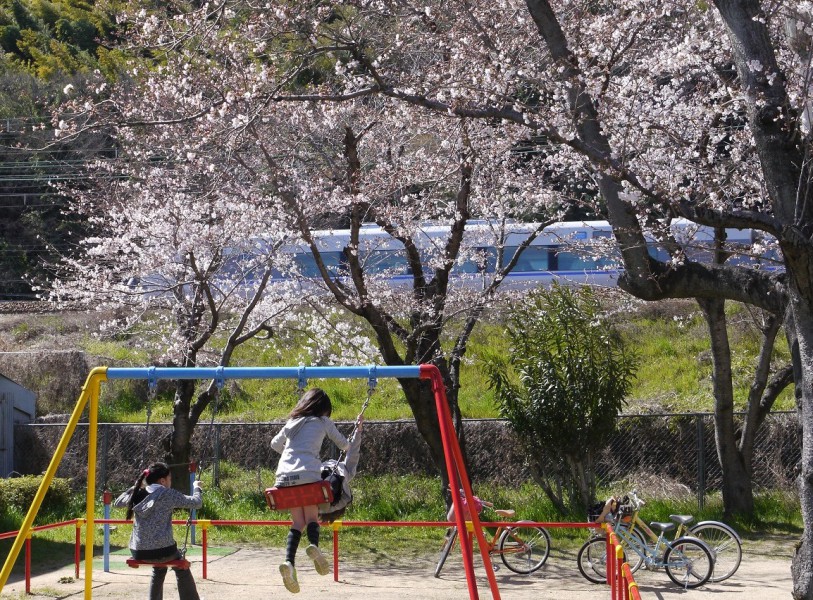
[
  {"x": 90, "y": 530},
  {"x": 100, "y": 374}
]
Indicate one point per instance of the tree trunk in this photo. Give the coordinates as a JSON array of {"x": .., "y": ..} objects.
[
  {"x": 738, "y": 495},
  {"x": 554, "y": 495},
  {"x": 182, "y": 429},
  {"x": 421, "y": 400},
  {"x": 800, "y": 338}
]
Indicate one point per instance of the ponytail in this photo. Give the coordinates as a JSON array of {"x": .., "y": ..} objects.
[{"x": 152, "y": 474}]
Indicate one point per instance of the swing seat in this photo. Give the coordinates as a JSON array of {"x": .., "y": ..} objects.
[
  {"x": 181, "y": 563},
  {"x": 307, "y": 494}
]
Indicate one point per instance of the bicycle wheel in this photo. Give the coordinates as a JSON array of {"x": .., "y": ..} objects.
[
  {"x": 725, "y": 547},
  {"x": 688, "y": 562},
  {"x": 592, "y": 560},
  {"x": 524, "y": 549},
  {"x": 444, "y": 551},
  {"x": 634, "y": 559}
]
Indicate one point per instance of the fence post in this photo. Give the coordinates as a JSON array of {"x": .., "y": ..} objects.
[
  {"x": 193, "y": 467},
  {"x": 216, "y": 475},
  {"x": 701, "y": 461},
  {"x": 105, "y": 447}
]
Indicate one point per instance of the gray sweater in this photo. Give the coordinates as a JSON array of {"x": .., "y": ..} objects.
[
  {"x": 152, "y": 527},
  {"x": 299, "y": 443}
]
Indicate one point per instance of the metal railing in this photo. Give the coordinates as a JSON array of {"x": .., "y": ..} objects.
[{"x": 676, "y": 451}]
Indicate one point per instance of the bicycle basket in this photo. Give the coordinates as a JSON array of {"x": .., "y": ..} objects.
[
  {"x": 594, "y": 511},
  {"x": 625, "y": 513}
]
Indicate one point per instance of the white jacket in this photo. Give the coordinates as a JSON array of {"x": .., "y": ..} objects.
[{"x": 299, "y": 443}]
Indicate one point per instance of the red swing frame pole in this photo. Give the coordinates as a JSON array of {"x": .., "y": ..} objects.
[{"x": 458, "y": 477}]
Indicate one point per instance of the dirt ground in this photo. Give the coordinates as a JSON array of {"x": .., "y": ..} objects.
[{"x": 248, "y": 573}]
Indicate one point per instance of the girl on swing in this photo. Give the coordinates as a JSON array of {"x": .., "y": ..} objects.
[
  {"x": 151, "y": 539},
  {"x": 299, "y": 442}
]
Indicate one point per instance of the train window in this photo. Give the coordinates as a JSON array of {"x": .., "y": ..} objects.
[
  {"x": 247, "y": 266},
  {"x": 584, "y": 261},
  {"x": 483, "y": 261},
  {"x": 602, "y": 233},
  {"x": 658, "y": 252},
  {"x": 533, "y": 258},
  {"x": 392, "y": 262},
  {"x": 307, "y": 264}
]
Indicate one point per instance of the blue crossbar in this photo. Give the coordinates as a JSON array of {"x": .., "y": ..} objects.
[{"x": 219, "y": 373}]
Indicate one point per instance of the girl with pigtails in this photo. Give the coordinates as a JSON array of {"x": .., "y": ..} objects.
[{"x": 152, "y": 540}]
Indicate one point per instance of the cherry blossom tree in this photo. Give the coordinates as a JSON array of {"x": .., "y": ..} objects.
[{"x": 222, "y": 171}]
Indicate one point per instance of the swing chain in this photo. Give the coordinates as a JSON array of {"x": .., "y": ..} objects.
[
  {"x": 371, "y": 385},
  {"x": 152, "y": 392},
  {"x": 220, "y": 382},
  {"x": 302, "y": 382}
]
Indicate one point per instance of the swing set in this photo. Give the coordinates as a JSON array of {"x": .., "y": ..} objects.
[
  {"x": 89, "y": 398},
  {"x": 318, "y": 492}
]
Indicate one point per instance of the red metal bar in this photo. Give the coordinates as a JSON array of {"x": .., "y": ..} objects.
[
  {"x": 205, "y": 547},
  {"x": 12, "y": 534},
  {"x": 78, "y": 546},
  {"x": 451, "y": 443},
  {"x": 227, "y": 522},
  {"x": 630, "y": 585},
  {"x": 455, "y": 467},
  {"x": 335, "y": 554},
  {"x": 28, "y": 564},
  {"x": 79, "y": 523}
]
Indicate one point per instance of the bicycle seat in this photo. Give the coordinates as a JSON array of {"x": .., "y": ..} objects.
[
  {"x": 662, "y": 527},
  {"x": 682, "y": 519},
  {"x": 505, "y": 512}
]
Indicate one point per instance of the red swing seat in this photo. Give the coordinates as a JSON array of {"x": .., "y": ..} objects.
[
  {"x": 306, "y": 494},
  {"x": 181, "y": 563}
]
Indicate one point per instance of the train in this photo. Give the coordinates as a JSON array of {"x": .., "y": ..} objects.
[{"x": 579, "y": 252}]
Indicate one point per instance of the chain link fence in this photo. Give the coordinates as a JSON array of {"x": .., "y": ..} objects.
[
  {"x": 671, "y": 450},
  {"x": 680, "y": 450}
]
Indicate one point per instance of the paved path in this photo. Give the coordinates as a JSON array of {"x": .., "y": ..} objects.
[{"x": 250, "y": 573}]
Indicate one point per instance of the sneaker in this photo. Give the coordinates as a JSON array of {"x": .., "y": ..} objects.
[
  {"x": 319, "y": 560},
  {"x": 288, "y": 573}
]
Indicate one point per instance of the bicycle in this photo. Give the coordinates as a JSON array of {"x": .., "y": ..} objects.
[
  {"x": 688, "y": 561},
  {"x": 522, "y": 548},
  {"x": 722, "y": 540}
]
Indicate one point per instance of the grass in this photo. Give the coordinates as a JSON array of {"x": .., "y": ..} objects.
[
  {"x": 393, "y": 498},
  {"x": 674, "y": 373}
]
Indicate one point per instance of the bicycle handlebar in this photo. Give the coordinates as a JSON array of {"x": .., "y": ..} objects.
[{"x": 638, "y": 503}]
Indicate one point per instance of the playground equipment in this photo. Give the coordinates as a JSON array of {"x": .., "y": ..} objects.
[{"x": 89, "y": 398}]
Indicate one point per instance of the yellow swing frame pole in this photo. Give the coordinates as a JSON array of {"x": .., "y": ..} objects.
[{"x": 90, "y": 391}]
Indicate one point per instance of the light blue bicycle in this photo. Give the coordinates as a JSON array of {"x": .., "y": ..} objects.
[{"x": 688, "y": 561}]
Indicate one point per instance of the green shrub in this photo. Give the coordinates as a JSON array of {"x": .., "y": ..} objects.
[{"x": 17, "y": 494}]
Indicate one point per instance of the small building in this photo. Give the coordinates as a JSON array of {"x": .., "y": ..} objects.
[{"x": 17, "y": 405}]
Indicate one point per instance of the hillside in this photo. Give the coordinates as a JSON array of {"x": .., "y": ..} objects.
[{"x": 52, "y": 352}]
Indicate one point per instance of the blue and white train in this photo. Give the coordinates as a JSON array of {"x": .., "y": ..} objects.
[{"x": 577, "y": 252}]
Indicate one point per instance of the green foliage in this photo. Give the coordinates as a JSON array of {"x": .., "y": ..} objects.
[
  {"x": 412, "y": 498},
  {"x": 9, "y": 36},
  {"x": 17, "y": 494},
  {"x": 54, "y": 39},
  {"x": 562, "y": 385}
]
